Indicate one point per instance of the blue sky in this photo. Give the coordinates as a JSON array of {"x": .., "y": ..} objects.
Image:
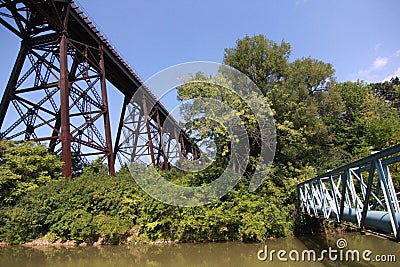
[{"x": 360, "y": 38}]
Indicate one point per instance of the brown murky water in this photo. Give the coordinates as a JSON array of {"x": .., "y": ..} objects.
[{"x": 296, "y": 253}]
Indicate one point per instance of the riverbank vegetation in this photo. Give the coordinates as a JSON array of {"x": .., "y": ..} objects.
[{"x": 321, "y": 124}]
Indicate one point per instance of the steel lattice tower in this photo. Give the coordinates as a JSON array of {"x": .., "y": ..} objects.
[{"x": 57, "y": 92}]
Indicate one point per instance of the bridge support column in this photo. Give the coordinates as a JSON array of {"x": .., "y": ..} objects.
[
  {"x": 117, "y": 146},
  {"x": 178, "y": 143},
  {"x": 161, "y": 148},
  {"x": 149, "y": 137},
  {"x": 106, "y": 115},
  {"x": 64, "y": 110}
]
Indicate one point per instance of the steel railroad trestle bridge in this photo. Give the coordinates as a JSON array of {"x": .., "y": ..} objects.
[
  {"x": 57, "y": 91},
  {"x": 362, "y": 193}
]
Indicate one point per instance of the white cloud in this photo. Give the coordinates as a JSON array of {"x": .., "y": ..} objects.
[
  {"x": 378, "y": 45},
  {"x": 375, "y": 71},
  {"x": 368, "y": 74},
  {"x": 396, "y": 73},
  {"x": 379, "y": 63}
]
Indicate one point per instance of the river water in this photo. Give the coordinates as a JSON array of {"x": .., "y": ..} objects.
[{"x": 297, "y": 251}]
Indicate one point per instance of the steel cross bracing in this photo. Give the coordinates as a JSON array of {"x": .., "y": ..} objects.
[
  {"x": 57, "y": 94},
  {"x": 150, "y": 137},
  {"x": 361, "y": 192}
]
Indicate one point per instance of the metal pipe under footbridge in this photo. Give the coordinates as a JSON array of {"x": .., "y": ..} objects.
[{"x": 362, "y": 192}]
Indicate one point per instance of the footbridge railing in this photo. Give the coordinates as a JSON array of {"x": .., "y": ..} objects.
[{"x": 364, "y": 192}]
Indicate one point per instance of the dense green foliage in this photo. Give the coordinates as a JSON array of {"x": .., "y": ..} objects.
[
  {"x": 95, "y": 205},
  {"x": 321, "y": 124},
  {"x": 24, "y": 167}
]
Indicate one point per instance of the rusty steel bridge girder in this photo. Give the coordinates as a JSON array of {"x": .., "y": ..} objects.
[{"x": 57, "y": 91}]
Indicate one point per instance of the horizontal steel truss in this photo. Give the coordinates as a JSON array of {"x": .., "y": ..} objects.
[
  {"x": 149, "y": 140},
  {"x": 356, "y": 192}
]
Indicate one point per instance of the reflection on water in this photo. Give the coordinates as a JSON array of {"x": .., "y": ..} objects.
[{"x": 207, "y": 254}]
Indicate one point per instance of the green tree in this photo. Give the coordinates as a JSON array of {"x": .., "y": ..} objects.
[
  {"x": 262, "y": 60},
  {"x": 299, "y": 109},
  {"x": 382, "y": 123},
  {"x": 215, "y": 126},
  {"x": 300, "y": 94},
  {"x": 24, "y": 167},
  {"x": 350, "y": 128},
  {"x": 389, "y": 91},
  {"x": 383, "y": 114}
]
